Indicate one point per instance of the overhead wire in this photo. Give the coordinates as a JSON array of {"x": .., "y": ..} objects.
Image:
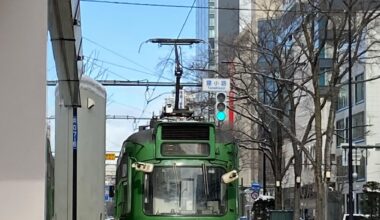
[
  {"x": 169, "y": 5},
  {"x": 116, "y": 53},
  {"x": 109, "y": 71},
  {"x": 124, "y": 67},
  {"x": 201, "y": 7}
]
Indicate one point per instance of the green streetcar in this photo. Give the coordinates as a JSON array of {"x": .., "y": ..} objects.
[{"x": 177, "y": 170}]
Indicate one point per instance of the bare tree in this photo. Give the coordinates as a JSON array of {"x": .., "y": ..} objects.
[{"x": 288, "y": 50}]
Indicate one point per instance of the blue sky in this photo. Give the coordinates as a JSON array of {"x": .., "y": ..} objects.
[{"x": 112, "y": 35}]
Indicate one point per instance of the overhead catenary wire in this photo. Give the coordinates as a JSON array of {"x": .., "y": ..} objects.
[
  {"x": 123, "y": 67},
  {"x": 109, "y": 71},
  {"x": 174, "y": 6},
  {"x": 203, "y": 7},
  {"x": 116, "y": 53}
]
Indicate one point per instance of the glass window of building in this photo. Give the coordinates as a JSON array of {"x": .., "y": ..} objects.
[
  {"x": 211, "y": 21},
  {"x": 359, "y": 88},
  {"x": 324, "y": 75},
  {"x": 358, "y": 126},
  {"x": 211, "y": 32},
  {"x": 340, "y": 132},
  {"x": 360, "y": 167},
  {"x": 326, "y": 51},
  {"x": 343, "y": 97}
]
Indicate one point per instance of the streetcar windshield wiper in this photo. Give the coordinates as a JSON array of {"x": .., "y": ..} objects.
[
  {"x": 178, "y": 190},
  {"x": 205, "y": 178}
]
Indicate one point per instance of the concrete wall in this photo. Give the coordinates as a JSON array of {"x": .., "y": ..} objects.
[
  {"x": 91, "y": 155},
  {"x": 23, "y": 27}
]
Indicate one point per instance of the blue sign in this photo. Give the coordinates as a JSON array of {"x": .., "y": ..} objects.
[
  {"x": 75, "y": 130},
  {"x": 255, "y": 186}
]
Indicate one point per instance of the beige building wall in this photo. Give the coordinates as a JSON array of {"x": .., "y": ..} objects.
[{"x": 23, "y": 37}]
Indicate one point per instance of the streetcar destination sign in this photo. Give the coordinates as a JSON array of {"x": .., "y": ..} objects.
[{"x": 215, "y": 85}]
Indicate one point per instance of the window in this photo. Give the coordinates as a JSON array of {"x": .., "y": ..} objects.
[
  {"x": 180, "y": 190},
  {"x": 360, "y": 163},
  {"x": 211, "y": 32},
  {"x": 359, "y": 88},
  {"x": 340, "y": 132},
  {"x": 343, "y": 97},
  {"x": 211, "y": 20},
  {"x": 358, "y": 126},
  {"x": 123, "y": 186},
  {"x": 324, "y": 76},
  {"x": 326, "y": 51},
  {"x": 124, "y": 170}
]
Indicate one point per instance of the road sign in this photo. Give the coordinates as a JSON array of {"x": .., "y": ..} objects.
[
  {"x": 216, "y": 85},
  {"x": 110, "y": 156},
  {"x": 256, "y": 187},
  {"x": 255, "y": 195}
]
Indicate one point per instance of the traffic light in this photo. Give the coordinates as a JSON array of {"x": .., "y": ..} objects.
[{"x": 221, "y": 107}]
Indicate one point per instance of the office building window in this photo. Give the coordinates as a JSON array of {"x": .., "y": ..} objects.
[
  {"x": 322, "y": 78},
  {"x": 211, "y": 21},
  {"x": 324, "y": 75},
  {"x": 211, "y": 32},
  {"x": 326, "y": 51},
  {"x": 340, "y": 132},
  {"x": 358, "y": 126},
  {"x": 343, "y": 97},
  {"x": 359, "y": 88}
]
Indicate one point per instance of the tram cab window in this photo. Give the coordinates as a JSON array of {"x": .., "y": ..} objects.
[
  {"x": 124, "y": 170},
  {"x": 185, "y": 191}
]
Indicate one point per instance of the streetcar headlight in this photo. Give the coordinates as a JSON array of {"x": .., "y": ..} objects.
[
  {"x": 144, "y": 167},
  {"x": 230, "y": 176}
]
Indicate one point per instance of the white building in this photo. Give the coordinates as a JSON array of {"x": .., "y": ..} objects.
[{"x": 365, "y": 127}]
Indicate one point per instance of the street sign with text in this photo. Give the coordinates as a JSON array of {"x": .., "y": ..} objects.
[{"x": 216, "y": 85}]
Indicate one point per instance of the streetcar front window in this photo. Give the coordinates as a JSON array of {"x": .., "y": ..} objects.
[{"x": 185, "y": 191}]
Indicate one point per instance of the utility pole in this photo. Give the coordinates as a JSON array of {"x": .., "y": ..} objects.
[
  {"x": 350, "y": 167},
  {"x": 178, "y": 68},
  {"x": 75, "y": 149},
  {"x": 264, "y": 157}
]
